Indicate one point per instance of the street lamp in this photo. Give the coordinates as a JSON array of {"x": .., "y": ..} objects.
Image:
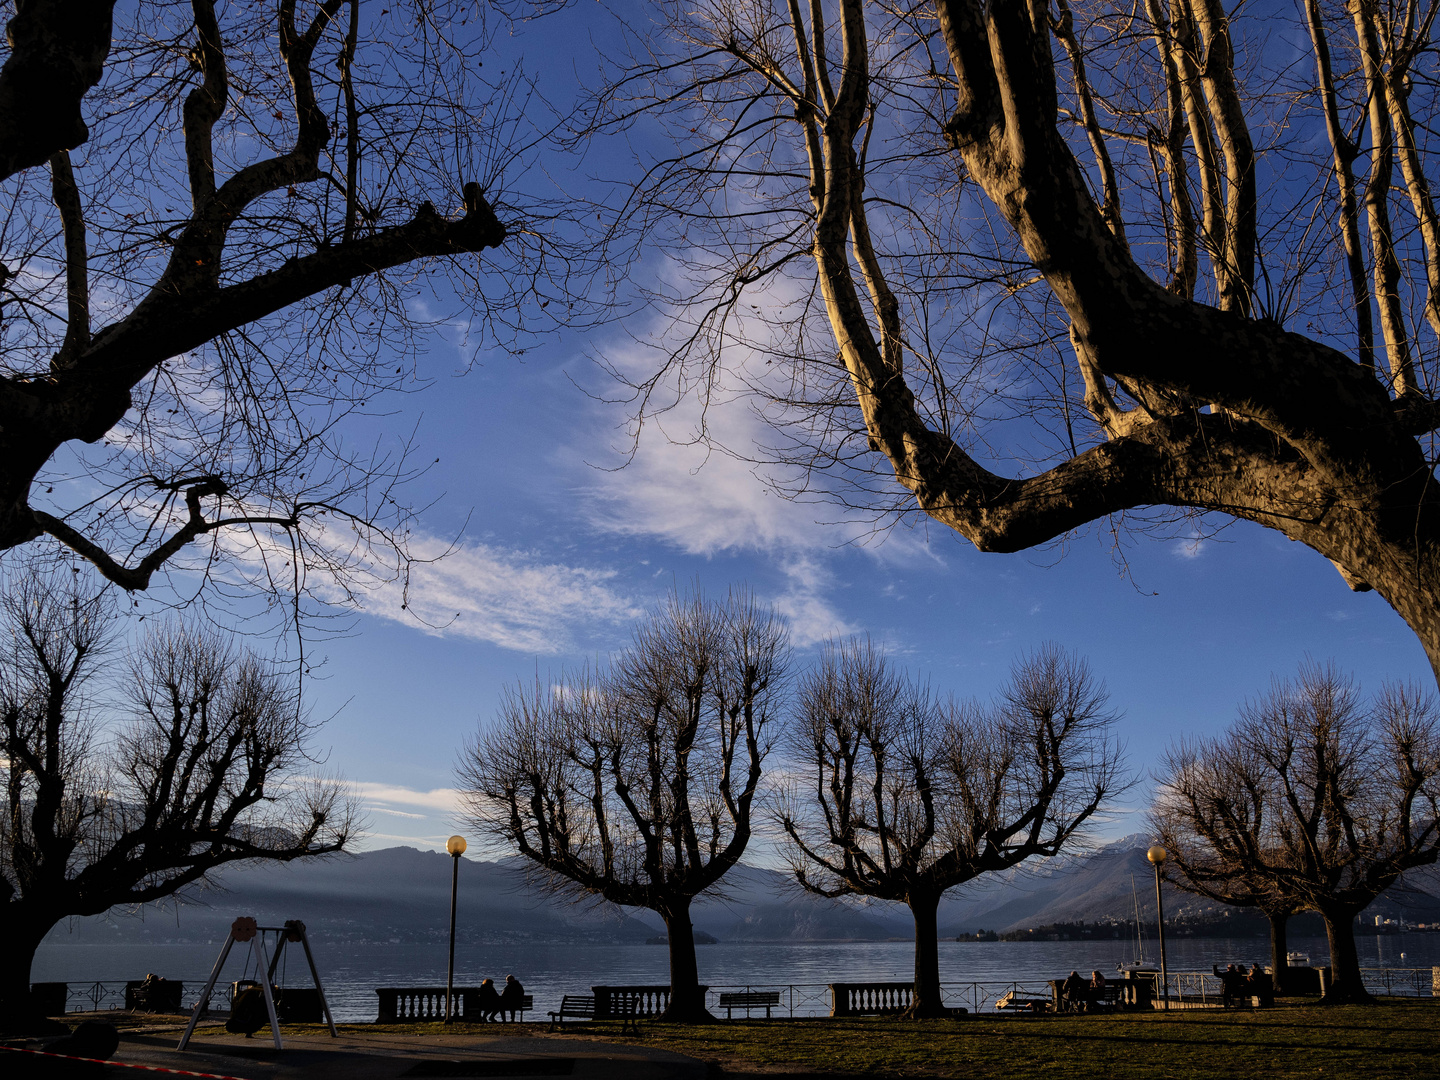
[
  {"x": 456, "y": 847},
  {"x": 1157, "y": 856}
]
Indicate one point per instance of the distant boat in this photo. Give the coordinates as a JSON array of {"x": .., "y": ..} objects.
[
  {"x": 1138, "y": 962},
  {"x": 1297, "y": 959}
]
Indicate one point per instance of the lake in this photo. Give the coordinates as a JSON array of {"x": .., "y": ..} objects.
[{"x": 351, "y": 972}]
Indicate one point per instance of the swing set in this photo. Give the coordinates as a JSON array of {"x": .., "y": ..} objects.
[{"x": 245, "y": 929}]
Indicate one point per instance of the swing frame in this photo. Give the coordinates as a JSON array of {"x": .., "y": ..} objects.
[{"x": 246, "y": 929}]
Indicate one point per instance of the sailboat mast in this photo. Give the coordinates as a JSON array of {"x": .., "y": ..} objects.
[{"x": 1139, "y": 940}]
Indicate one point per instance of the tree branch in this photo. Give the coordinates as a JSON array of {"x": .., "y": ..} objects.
[
  {"x": 77, "y": 269},
  {"x": 57, "y": 53}
]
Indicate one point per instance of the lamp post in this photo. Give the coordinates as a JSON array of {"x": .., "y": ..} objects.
[
  {"x": 456, "y": 847},
  {"x": 1157, "y": 856}
]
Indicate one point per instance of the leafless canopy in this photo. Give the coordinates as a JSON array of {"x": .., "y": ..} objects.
[
  {"x": 901, "y": 797},
  {"x": 125, "y": 788},
  {"x": 247, "y": 249},
  {"x": 1315, "y": 799},
  {"x": 637, "y": 783},
  {"x": 1048, "y": 263}
]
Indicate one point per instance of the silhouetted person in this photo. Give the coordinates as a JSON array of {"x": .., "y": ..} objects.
[
  {"x": 487, "y": 1000},
  {"x": 512, "y": 998},
  {"x": 1232, "y": 982},
  {"x": 1097, "y": 986},
  {"x": 1072, "y": 992},
  {"x": 1260, "y": 985}
]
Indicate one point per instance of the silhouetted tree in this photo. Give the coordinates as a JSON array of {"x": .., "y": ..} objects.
[
  {"x": 199, "y": 290},
  {"x": 637, "y": 783},
  {"x": 1210, "y": 815},
  {"x": 1030, "y": 261},
  {"x": 1331, "y": 800},
  {"x": 123, "y": 791},
  {"x": 898, "y": 797}
]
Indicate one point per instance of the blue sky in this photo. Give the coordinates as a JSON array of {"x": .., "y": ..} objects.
[
  {"x": 565, "y": 543},
  {"x": 564, "y": 549}
]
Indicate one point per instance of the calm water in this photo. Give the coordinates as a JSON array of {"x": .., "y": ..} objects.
[{"x": 351, "y": 973}]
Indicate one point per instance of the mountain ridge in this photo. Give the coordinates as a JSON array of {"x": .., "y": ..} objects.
[{"x": 402, "y": 894}]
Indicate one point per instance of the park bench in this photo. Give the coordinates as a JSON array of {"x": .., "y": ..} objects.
[
  {"x": 749, "y": 999},
  {"x": 153, "y": 994},
  {"x": 1114, "y": 996},
  {"x": 1109, "y": 998},
  {"x": 1014, "y": 1002},
  {"x": 622, "y": 1007}
]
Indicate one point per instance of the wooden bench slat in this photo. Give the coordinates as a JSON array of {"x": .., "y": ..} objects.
[
  {"x": 749, "y": 999},
  {"x": 624, "y": 1008}
]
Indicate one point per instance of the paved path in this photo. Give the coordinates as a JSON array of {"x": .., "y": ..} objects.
[{"x": 379, "y": 1056}]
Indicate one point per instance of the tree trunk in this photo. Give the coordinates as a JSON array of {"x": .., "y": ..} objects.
[
  {"x": 927, "y": 1003},
  {"x": 1346, "y": 986},
  {"x": 687, "y": 1003},
  {"x": 1279, "y": 949},
  {"x": 22, "y": 937}
]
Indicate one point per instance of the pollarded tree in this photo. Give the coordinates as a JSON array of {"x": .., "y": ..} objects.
[
  {"x": 1212, "y": 815},
  {"x": 637, "y": 784},
  {"x": 200, "y": 288},
  {"x": 898, "y": 797},
  {"x": 1344, "y": 797},
  {"x": 1034, "y": 254},
  {"x": 126, "y": 790}
]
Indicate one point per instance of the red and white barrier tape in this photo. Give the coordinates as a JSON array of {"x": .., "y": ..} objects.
[{"x": 123, "y": 1064}]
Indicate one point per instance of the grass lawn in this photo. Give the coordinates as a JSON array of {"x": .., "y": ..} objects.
[{"x": 1399, "y": 1040}]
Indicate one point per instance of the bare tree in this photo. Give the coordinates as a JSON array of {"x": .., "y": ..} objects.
[
  {"x": 1331, "y": 800},
  {"x": 124, "y": 791},
  {"x": 249, "y": 246},
  {"x": 1211, "y": 815},
  {"x": 637, "y": 783},
  {"x": 1047, "y": 264},
  {"x": 901, "y": 798}
]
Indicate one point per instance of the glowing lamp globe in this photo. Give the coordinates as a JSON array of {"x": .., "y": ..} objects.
[
  {"x": 1156, "y": 854},
  {"x": 456, "y": 845}
]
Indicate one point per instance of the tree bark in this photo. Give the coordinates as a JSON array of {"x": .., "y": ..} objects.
[
  {"x": 687, "y": 1002},
  {"x": 1279, "y": 949},
  {"x": 1306, "y": 441},
  {"x": 1346, "y": 986},
  {"x": 23, "y": 934},
  {"x": 927, "y": 1004}
]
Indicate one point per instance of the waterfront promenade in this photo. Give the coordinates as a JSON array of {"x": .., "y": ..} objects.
[{"x": 1296, "y": 1040}]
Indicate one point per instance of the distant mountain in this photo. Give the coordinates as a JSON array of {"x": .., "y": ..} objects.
[
  {"x": 394, "y": 895},
  {"x": 403, "y": 895}
]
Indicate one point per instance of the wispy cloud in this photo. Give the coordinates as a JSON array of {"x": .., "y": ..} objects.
[
  {"x": 509, "y": 597},
  {"x": 437, "y": 802},
  {"x": 1189, "y": 547},
  {"x": 686, "y": 492}
]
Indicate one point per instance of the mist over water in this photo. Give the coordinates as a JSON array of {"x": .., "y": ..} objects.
[{"x": 351, "y": 972}]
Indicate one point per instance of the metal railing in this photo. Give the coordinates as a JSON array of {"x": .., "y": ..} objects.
[
  {"x": 106, "y": 995},
  {"x": 1401, "y": 982},
  {"x": 796, "y": 999}
]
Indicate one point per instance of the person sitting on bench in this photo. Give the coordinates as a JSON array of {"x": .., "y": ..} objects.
[
  {"x": 512, "y": 998},
  {"x": 487, "y": 1000}
]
